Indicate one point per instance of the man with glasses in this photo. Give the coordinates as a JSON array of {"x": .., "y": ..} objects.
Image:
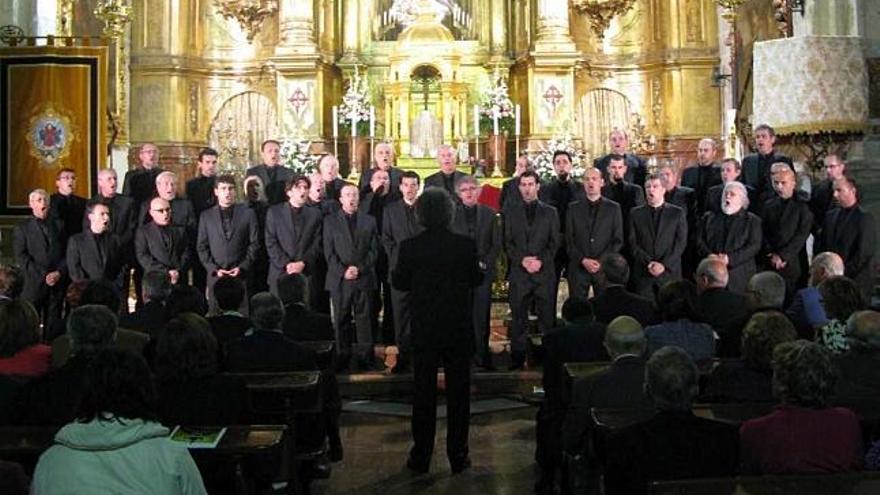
[{"x": 161, "y": 246}]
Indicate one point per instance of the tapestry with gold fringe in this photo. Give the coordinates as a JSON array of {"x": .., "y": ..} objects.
[{"x": 53, "y": 117}]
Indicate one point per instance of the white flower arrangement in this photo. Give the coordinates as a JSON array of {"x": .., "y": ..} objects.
[
  {"x": 496, "y": 103},
  {"x": 543, "y": 161},
  {"x": 295, "y": 155},
  {"x": 356, "y": 104}
]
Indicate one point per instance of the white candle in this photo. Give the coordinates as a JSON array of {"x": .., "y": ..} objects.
[
  {"x": 335, "y": 122},
  {"x": 354, "y": 125},
  {"x": 476, "y": 120},
  {"x": 495, "y": 123},
  {"x": 516, "y": 114},
  {"x": 372, "y": 122}
]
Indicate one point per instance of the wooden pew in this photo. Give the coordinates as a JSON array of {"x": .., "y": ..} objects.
[{"x": 865, "y": 483}]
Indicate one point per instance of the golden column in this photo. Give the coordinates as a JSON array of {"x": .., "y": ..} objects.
[
  {"x": 499, "y": 31},
  {"x": 351, "y": 36},
  {"x": 116, "y": 15}
]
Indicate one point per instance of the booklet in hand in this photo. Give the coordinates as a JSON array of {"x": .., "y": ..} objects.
[{"x": 198, "y": 437}]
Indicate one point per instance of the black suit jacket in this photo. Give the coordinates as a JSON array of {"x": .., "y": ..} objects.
[
  {"x": 341, "y": 250},
  {"x": 560, "y": 195},
  {"x": 333, "y": 188},
  {"x": 786, "y": 225},
  {"x": 851, "y": 234},
  {"x": 436, "y": 180},
  {"x": 216, "y": 251},
  {"x": 288, "y": 241},
  {"x": 37, "y": 254},
  {"x": 228, "y": 327},
  {"x": 303, "y": 325},
  {"x": 741, "y": 242},
  {"x": 487, "y": 235},
  {"x": 628, "y": 196},
  {"x": 756, "y": 170},
  {"x": 510, "y": 193},
  {"x": 152, "y": 253},
  {"x": 275, "y": 189},
  {"x": 589, "y": 237},
  {"x": 200, "y": 192},
  {"x": 182, "y": 214},
  {"x": 664, "y": 244},
  {"x": 439, "y": 269},
  {"x": 636, "y": 168},
  {"x": 615, "y": 301},
  {"x": 686, "y": 199},
  {"x": 140, "y": 184},
  {"x": 69, "y": 211},
  {"x": 394, "y": 175},
  {"x": 821, "y": 202},
  {"x": 540, "y": 239},
  {"x": 397, "y": 227},
  {"x": 122, "y": 217},
  {"x": 726, "y": 312},
  {"x": 85, "y": 262},
  {"x": 266, "y": 351},
  {"x": 700, "y": 179}
]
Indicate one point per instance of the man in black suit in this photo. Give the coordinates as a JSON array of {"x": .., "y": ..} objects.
[
  {"x": 182, "y": 212},
  {"x": 595, "y": 227},
  {"x": 152, "y": 316},
  {"x": 200, "y": 192},
  {"x": 271, "y": 172},
  {"x": 704, "y": 174},
  {"x": 626, "y": 194},
  {"x": 162, "y": 246},
  {"x": 674, "y": 444},
  {"x": 787, "y": 222},
  {"x": 658, "y": 235},
  {"x": 399, "y": 224},
  {"x": 613, "y": 299},
  {"x": 300, "y": 323},
  {"x": 383, "y": 159},
  {"x": 822, "y": 193},
  {"x": 293, "y": 234},
  {"x": 39, "y": 254},
  {"x": 636, "y": 168},
  {"x": 756, "y": 168},
  {"x": 229, "y": 325},
  {"x": 122, "y": 222},
  {"x": 724, "y": 310},
  {"x": 510, "y": 187},
  {"x": 850, "y": 232},
  {"x": 65, "y": 206},
  {"x": 448, "y": 175},
  {"x": 559, "y": 192},
  {"x": 531, "y": 239},
  {"x": 479, "y": 223},
  {"x": 733, "y": 234},
  {"x": 686, "y": 199},
  {"x": 94, "y": 254},
  {"x": 328, "y": 166},
  {"x": 379, "y": 194},
  {"x": 140, "y": 182},
  {"x": 351, "y": 245},
  {"x": 439, "y": 269},
  {"x": 319, "y": 298},
  {"x": 731, "y": 171},
  {"x": 228, "y": 239}
]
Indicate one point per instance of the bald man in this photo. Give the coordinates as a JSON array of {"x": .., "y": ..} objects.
[
  {"x": 718, "y": 306},
  {"x": 383, "y": 159},
  {"x": 704, "y": 174},
  {"x": 140, "y": 182},
  {"x": 787, "y": 222},
  {"x": 161, "y": 246}
]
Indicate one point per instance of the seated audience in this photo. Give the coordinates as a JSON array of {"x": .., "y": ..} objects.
[
  {"x": 21, "y": 352},
  {"x": 300, "y": 323},
  {"x": 860, "y": 366},
  {"x": 840, "y": 297},
  {"x": 613, "y": 299},
  {"x": 117, "y": 445},
  {"x": 804, "y": 435},
  {"x": 677, "y": 302},
  {"x": 191, "y": 390},
  {"x": 750, "y": 379},
  {"x": 720, "y": 307},
  {"x": 186, "y": 299},
  {"x": 229, "y": 324},
  {"x": 674, "y": 444},
  {"x": 151, "y": 317},
  {"x": 765, "y": 291},
  {"x": 53, "y": 398},
  {"x": 806, "y": 311}
]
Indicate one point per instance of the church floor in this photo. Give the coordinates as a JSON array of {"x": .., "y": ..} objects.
[{"x": 502, "y": 446}]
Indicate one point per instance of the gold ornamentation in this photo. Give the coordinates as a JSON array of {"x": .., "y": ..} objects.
[
  {"x": 116, "y": 14},
  {"x": 11, "y": 35},
  {"x": 250, "y": 14},
  {"x": 657, "y": 101},
  {"x": 50, "y": 135},
  {"x": 729, "y": 13},
  {"x": 601, "y": 12}
]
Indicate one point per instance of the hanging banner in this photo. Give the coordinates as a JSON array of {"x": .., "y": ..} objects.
[{"x": 53, "y": 117}]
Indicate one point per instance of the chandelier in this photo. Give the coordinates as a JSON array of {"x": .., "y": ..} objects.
[
  {"x": 249, "y": 13},
  {"x": 601, "y": 12}
]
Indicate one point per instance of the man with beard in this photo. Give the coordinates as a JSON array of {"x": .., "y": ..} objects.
[
  {"x": 140, "y": 182},
  {"x": 559, "y": 193},
  {"x": 705, "y": 174},
  {"x": 271, "y": 172},
  {"x": 40, "y": 255},
  {"x": 730, "y": 171},
  {"x": 531, "y": 239},
  {"x": 399, "y": 223},
  {"x": 478, "y": 222},
  {"x": 787, "y": 222},
  {"x": 448, "y": 175},
  {"x": 626, "y": 194},
  {"x": 328, "y": 167},
  {"x": 200, "y": 192},
  {"x": 733, "y": 235},
  {"x": 228, "y": 239},
  {"x": 161, "y": 246},
  {"x": 595, "y": 228},
  {"x": 756, "y": 168},
  {"x": 351, "y": 246},
  {"x": 383, "y": 159},
  {"x": 65, "y": 206},
  {"x": 635, "y": 170},
  {"x": 379, "y": 195},
  {"x": 510, "y": 188},
  {"x": 658, "y": 235},
  {"x": 293, "y": 235},
  {"x": 822, "y": 194},
  {"x": 850, "y": 232},
  {"x": 94, "y": 253}
]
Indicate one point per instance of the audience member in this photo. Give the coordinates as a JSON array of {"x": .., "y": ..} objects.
[
  {"x": 151, "y": 317},
  {"x": 750, "y": 379},
  {"x": 300, "y": 323},
  {"x": 840, "y": 298},
  {"x": 186, "y": 299},
  {"x": 806, "y": 311},
  {"x": 803, "y": 435},
  {"x": 21, "y": 352},
  {"x": 677, "y": 302},
  {"x": 674, "y": 444},
  {"x": 860, "y": 366},
  {"x": 613, "y": 299},
  {"x": 765, "y": 291},
  {"x": 117, "y": 445},
  {"x": 230, "y": 324},
  {"x": 11, "y": 283},
  {"x": 720, "y": 307}
]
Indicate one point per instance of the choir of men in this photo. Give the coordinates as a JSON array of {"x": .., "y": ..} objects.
[
  {"x": 270, "y": 172},
  {"x": 636, "y": 169}
]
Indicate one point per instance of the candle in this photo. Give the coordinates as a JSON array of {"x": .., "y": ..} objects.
[
  {"x": 372, "y": 122},
  {"x": 495, "y": 122},
  {"x": 335, "y": 122},
  {"x": 517, "y": 115},
  {"x": 354, "y": 125},
  {"x": 476, "y": 120}
]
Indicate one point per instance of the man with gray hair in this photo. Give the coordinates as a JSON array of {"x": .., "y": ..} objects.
[
  {"x": 39, "y": 253},
  {"x": 766, "y": 290},
  {"x": 806, "y": 310},
  {"x": 439, "y": 269},
  {"x": 731, "y": 171},
  {"x": 675, "y": 444},
  {"x": 733, "y": 235},
  {"x": 724, "y": 310},
  {"x": 448, "y": 175}
]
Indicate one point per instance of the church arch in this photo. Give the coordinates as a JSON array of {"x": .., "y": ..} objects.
[
  {"x": 240, "y": 126},
  {"x": 600, "y": 111}
]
